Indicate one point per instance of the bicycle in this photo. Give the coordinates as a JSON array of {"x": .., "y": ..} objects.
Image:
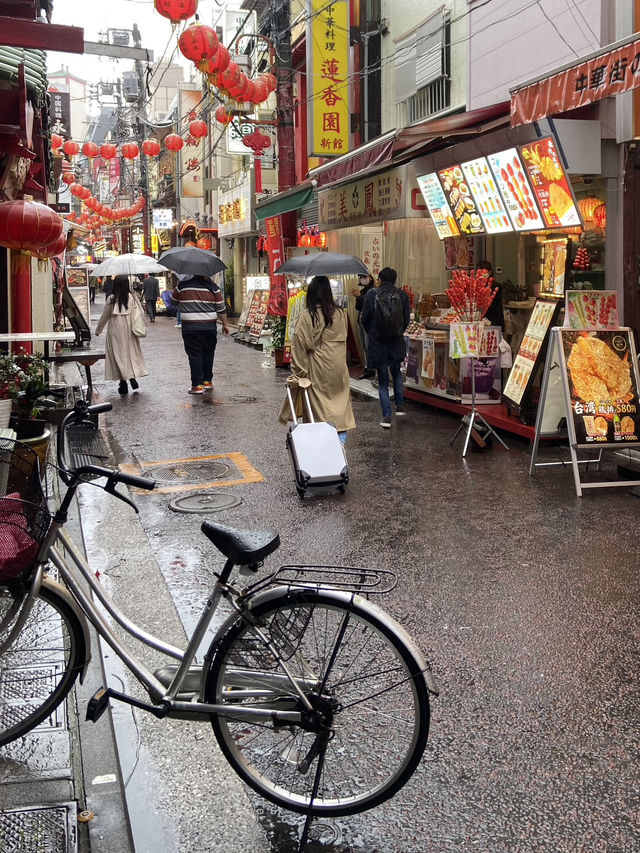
[{"x": 318, "y": 699}]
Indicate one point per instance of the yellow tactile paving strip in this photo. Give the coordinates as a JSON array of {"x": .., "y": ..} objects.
[{"x": 248, "y": 473}]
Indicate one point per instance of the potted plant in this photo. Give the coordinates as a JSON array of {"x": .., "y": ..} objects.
[
  {"x": 278, "y": 330},
  {"x": 9, "y": 384},
  {"x": 29, "y": 391}
]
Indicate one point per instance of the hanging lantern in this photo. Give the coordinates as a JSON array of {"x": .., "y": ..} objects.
[
  {"x": 129, "y": 150},
  {"x": 90, "y": 150},
  {"x": 586, "y": 207},
  {"x": 190, "y": 243},
  {"x": 306, "y": 240},
  {"x": 25, "y": 224},
  {"x": 108, "y": 151},
  {"x": 230, "y": 76},
  {"x": 56, "y": 141},
  {"x": 271, "y": 80},
  {"x": 261, "y": 93},
  {"x": 223, "y": 116},
  {"x": 248, "y": 93},
  {"x": 151, "y": 147},
  {"x": 57, "y": 247},
  {"x": 218, "y": 63},
  {"x": 79, "y": 191},
  {"x": 204, "y": 243},
  {"x": 173, "y": 142},
  {"x": 198, "y": 42},
  {"x": 176, "y": 10},
  {"x": 198, "y": 128},
  {"x": 70, "y": 148},
  {"x": 68, "y": 177},
  {"x": 238, "y": 91},
  {"x": 600, "y": 216},
  {"x": 320, "y": 240}
]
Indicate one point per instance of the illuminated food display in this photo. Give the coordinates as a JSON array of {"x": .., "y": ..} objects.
[
  {"x": 487, "y": 196},
  {"x": 509, "y": 175},
  {"x": 550, "y": 184},
  {"x": 461, "y": 201},
  {"x": 438, "y": 205}
]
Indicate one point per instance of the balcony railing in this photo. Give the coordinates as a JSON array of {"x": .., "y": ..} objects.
[{"x": 431, "y": 99}]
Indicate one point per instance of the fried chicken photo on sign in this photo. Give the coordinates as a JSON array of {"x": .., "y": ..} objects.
[{"x": 597, "y": 372}]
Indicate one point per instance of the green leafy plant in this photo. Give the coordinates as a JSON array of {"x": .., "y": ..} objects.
[
  {"x": 30, "y": 384},
  {"x": 9, "y": 377},
  {"x": 278, "y": 329}
]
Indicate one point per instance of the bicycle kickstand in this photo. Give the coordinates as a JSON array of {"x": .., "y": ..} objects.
[{"x": 318, "y": 748}]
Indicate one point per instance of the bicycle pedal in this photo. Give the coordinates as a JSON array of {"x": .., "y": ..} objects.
[{"x": 97, "y": 705}]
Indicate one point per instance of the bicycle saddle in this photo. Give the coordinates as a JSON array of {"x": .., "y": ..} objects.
[{"x": 242, "y": 546}]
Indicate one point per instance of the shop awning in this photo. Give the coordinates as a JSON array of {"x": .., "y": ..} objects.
[
  {"x": 375, "y": 153},
  {"x": 286, "y": 201},
  {"x": 468, "y": 122}
]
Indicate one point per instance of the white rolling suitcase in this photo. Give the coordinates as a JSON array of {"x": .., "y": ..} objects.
[{"x": 317, "y": 454}]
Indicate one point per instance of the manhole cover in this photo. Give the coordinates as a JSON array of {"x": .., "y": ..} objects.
[
  {"x": 243, "y": 399},
  {"x": 204, "y": 502},
  {"x": 188, "y": 472},
  {"x": 50, "y": 828}
]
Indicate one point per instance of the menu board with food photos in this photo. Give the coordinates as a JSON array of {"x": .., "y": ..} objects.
[
  {"x": 510, "y": 177},
  {"x": 439, "y": 210},
  {"x": 592, "y": 309},
  {"x": 602, "y": 382},
  {"x": 461, "y": 201},
  {"x": 488, "y": 199},
  {"x": 550, "y": 184},
  {"x": 555, "y": 255},
  {"x": 517, "y": 391}
]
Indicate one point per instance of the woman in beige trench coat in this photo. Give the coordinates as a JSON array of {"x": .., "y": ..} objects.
[
  {"x": 319, "y": 353},
  {"x": 123, "y": 358}
]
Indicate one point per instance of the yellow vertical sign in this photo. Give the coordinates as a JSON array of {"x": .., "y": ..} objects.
[{"x": 328, "y": 77}]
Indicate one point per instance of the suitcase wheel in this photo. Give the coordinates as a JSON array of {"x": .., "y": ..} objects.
[{"x": 301, "y": 492}]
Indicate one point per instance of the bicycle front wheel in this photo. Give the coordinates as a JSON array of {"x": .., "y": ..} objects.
[
  {"x": 40, "y": 666},
  {"x": 356, "y": 667}
]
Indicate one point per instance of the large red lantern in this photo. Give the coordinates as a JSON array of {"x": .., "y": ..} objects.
[
  {"x": 238, "y": 91},
  {"x": 271, "y": 80},
  {"x": 129, "y": 150},
  {"x": 600, "y": 216},
  {"x": 70, "y": 148},
  {"x": 108, "y": 151},
  {"x": 151, "y": 147},
  {"x": 247, "y": 95},
  {"x": 228, "y": 78},
  {"x": 198, "y": 42},
  {"x": 198, "y": 128},
  {"x": 204, "y": 243},
  {"x": 56, "y": 141},
  {"x": 261, "y": 92},
  {"x": 176, "y": 10},
  {"x": 57, "y": 247},
  {"x": 69, "y": 177},
  {"x": 90, "y": 150},
  {"x": 223, "y": 116},
  {"x": 27, "y": 224},
  {"x": 79, "y": 191},
  {"x": 173, "y": 142},
  {"x": 218, "y": 63}
]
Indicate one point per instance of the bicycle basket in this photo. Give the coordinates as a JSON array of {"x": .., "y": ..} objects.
[
  {"x": 20, "y": 471},
  {"x": 23, "y": 526}
]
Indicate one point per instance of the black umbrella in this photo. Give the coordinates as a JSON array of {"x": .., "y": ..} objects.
[
  {"x": 322, "y": 263},
  {"x": 189, "y": 260}
]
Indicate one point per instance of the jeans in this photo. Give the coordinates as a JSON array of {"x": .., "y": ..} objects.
[
  {"x": 200, "y": 346},
  {"x": 383, "y": 386}
]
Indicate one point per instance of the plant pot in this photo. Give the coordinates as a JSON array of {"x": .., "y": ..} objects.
[
  {"x": 5, "y": 413},
  {"x": 29, "y": 428},
  {"x": 40, "y": 444}
]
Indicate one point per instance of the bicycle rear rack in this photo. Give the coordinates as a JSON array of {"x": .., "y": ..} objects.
[{"x": 348, "y": 578}]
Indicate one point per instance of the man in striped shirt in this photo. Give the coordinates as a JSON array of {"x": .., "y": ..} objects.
[{"x": 201, "y": 304}]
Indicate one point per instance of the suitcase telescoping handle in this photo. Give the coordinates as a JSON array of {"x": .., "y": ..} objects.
[{"x": 307, "y": 402}]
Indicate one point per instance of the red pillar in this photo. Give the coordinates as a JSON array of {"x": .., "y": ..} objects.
[{"x": 21, "y": 296}]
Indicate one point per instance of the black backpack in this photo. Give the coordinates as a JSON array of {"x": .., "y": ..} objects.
[{"x": 388, "y": 319}]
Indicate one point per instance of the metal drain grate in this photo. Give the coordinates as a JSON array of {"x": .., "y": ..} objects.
[
  {"x": 30, "y": 685},
  {"x": 188, "y": 472},
  {"x": 50, "y": 828},
  {"x": 204, "y": 502}
]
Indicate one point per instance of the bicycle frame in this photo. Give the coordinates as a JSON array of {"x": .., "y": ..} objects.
[{"x": 260, "y": 686}]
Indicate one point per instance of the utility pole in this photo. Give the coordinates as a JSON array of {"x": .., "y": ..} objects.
[
  {"x": 284, "y": 95},
  {"x": 140, "y": 126}
]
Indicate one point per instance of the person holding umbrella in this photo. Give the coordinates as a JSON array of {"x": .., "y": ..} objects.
[{"x": 123, "y": 354}]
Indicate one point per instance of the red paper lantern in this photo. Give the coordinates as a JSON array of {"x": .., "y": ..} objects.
[
  {"x": 176, "y": 10},
  {"x": 90, "y": 150},
  {"x": 198, "y": 128},
  {"x": 306, "y": 241},
  {"x": 68, "y": 177},
  {"x": 320, "y": 240},
  {"x": 108, "y": 151},
  {"x": 129, "y": 150},
  {"x": 261, "y": 92},
  {"x": 27, "y": 224},
  {"x": 238, "y": 91},
  {"x": 271, "y": 80},
  {"x": 70, "y": 148},
  {"x": 151, "y": 147},
  {"x": 198, "y": 42},
  {"x": 228, "y": 78},
  {"x": 204, "y": 243},
  {"x": 600, "y": 216},
  {"x": 247, "y": 95},
  {"x": 190, "y": 243},
  {"x": 223, "y": 116},
  {"x": 173, "y": 142},
  {"x": 79, "y": 191},
  {"x": 57, "y": 247},
  {"x": 218, "y": 63},
  {"x": 56, "y": 141}
]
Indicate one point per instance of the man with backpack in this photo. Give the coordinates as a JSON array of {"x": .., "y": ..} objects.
[{"x": 385, "y": 315}]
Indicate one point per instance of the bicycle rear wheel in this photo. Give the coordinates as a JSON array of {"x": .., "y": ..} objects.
[
  {"x": 40, "y": 666},
  {"x": 356, "y": 666}
]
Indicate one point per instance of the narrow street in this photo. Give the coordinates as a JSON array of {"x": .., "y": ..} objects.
[{"x": 523, "y": 597}]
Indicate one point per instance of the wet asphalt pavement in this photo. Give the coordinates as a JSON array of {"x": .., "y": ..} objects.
[{"x": 523, "y": 597}]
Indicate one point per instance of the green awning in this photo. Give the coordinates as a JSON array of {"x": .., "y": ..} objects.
[{"x": 285, "y": 202}]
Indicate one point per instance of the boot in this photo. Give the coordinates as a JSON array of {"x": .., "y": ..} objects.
[{"x": 122, "y": 387}]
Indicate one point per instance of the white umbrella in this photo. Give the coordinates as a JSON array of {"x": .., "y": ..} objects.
[
  {"x": 130, "y": 264},
  {"x": 86, "y": 266}
]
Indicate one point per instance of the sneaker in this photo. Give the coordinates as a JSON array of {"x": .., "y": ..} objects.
[
  {"x": 400, "y": 413},
  {"x": 385, "y": 423},
  {"x": 122, "y": 387},
  {"x": 178, "y": 325},
  {"x": 207, "y": 386},
  {"x": 366, "y": 374},
  {"x": 198, "y": 389},
  {"x": 134, "y": 384}
]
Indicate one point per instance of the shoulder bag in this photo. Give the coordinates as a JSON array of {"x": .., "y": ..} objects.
[{"x": 138, "y": 326}]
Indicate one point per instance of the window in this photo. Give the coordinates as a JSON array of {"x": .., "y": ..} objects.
[{"x": 422, "y": 65}]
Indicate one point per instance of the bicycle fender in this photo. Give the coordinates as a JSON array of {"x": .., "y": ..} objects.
[{"x": 62, "y": 591}]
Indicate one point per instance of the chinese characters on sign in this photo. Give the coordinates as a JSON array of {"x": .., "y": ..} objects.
[
  {"x": 235, "y": 211},
  {"x": 328, "y": 83},
  {"x": 275, "y": 250},
  {"x": 371, "y": 252},
  {"x": 600, "y": 77},
  {"x": 192, "y": 155},
  {"x": 377, "y": 198},
  {"x": 61, "y": 113}
]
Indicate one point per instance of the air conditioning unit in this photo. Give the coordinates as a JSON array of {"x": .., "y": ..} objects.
[{"x": 130, "y": 86}]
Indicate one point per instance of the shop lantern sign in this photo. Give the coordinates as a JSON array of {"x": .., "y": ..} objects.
[
  {"x": 328, "y": 82},
  {"x": 61, "y": 113},
  {"x": 192, "y": 152},
  {"x": 235, "y": 211}
]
